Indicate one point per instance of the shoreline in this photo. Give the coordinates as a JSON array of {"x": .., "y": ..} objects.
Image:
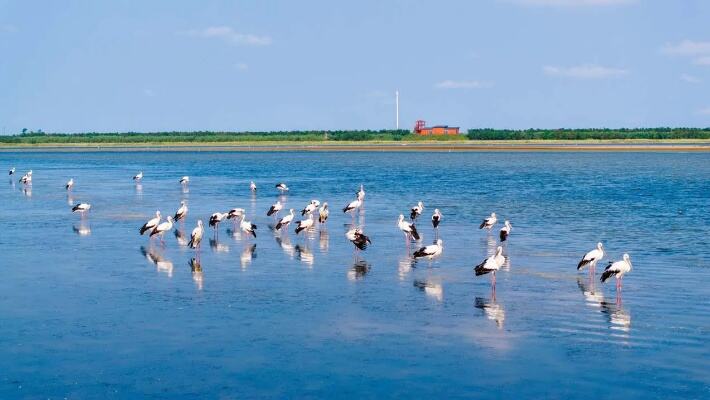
[{"x": 642, "y": 145}]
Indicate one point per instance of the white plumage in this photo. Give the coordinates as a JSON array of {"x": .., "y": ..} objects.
[
  {"x": 592, "y": 257},
  {"x": 196, "y": 235},
  {"x": 185, "y": 180},
  {"x": 492, "y": 263},
  {"x": 617, "y": 269},
  {"x": 323, "y": 213},
  {"x": 152, "y": 223},
  {"x": 304, "y": 224},
  {"x": 275, "y": 208},
  {"x": 430, "y": 251},
  {"x": 489, "y": 222},
  {"x": 70, "y": 184},
  {"x": 138, "y": 176},
  {"x": 505, "y": 231},
  {"x": 408, "y": 228},
  {"x": 181, "y": 212},
  {"x": 162, "y": 228},
  {"x": 416, "y": 211},
  {"x": 285, "y": 220}
]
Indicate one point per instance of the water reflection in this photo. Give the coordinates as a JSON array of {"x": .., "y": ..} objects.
[
  {"x": 323, "y": 240},
  {"x": 405, "y": 265},
  {"x": 618, "y": 318},
  {"x": 432, "y": 289},
  {"x": 304, "y": 255},
  {"x": 196, "y": 268},
  {"x": 285, "y": 243},
  {"x": 235, "y": 233},
  {"x": 218, "y": 247},
  {"x": 139, "y": 189},
  {"x": 70, "y": 199},
  {"x": 491, "y": 309},
  {"x": 156, "y": 258},
  {"x": 358, "y": 271},
  {"x": 82, "y": 229},
  {"x": 182, "y": 239},
  {"x": 248, "y": 254},
  {"x": 27, "y": 190}
]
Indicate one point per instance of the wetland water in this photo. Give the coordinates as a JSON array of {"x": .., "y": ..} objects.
[{"x": 89, "y": 309}]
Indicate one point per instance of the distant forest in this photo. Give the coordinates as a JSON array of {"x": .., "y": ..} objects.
[{"x": 39, "y": 137}]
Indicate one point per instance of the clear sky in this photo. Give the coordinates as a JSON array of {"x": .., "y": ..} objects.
[{"x": 71, "y": 66}]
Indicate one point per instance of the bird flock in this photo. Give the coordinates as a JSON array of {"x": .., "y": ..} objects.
[{"x": 314, "y": 213}]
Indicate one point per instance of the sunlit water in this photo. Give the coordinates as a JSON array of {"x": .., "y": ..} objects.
[{"x": 91, "y": 309}]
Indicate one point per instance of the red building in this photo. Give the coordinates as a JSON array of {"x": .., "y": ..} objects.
[{"x": 420, "y": 128}]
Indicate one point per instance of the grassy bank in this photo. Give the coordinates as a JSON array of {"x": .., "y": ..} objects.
[
  {"x": 590, "y": 134},
  {"x": 348, "y": 136}
]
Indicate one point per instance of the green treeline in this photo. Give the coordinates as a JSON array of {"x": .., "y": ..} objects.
[
  {"x": 589, "y": 134},
  {"x": 40, "y": 137}
]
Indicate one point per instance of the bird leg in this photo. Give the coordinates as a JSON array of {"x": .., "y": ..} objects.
[{"x": 493, "y": 279}]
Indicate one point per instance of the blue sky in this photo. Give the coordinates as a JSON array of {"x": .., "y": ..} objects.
[{"x": 76, "y": 66}]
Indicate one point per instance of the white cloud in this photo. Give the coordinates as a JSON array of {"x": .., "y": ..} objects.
[
  {"x": 230, "y": 35},
  {"x": 589, "y": 71},
  {"x": 702, "y": 60},
  {"x": 690, "y": 78},
  {"x": 451, "y": 84},
  {"x": 241, "y": 66},
  {"x": 686, "y": 48},
  {"x": 704, "y": 111},
  {"x": 573, "y": 3}
]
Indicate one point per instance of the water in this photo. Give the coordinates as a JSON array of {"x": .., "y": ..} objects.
[{"x": 90, "y": 309}]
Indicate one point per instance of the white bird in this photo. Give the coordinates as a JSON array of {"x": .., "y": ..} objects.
[
  {"x": 361, "y": 193},
  {"x": 489, "y": 222},
  {"x": 81, "y": 208},
  {"x": 436, "y": 218},
  {"x": 162, "y": 228},
  {"x": 247, "y": 227},
  {"x": 185, "y": 180},
  {"x": 408, "y": 228},
  {"x": 181, "y": 213},
  {"x": 282, "y": 187},
  {"x": 353, "y": 205},
  {"x": 312, "y": 206},
  {"x": 358, "y": 238},
  {"x": 215, "y": 219},
  {"x": 252, "y": 186},
  {"x": 430, "y": 251},
  {"x": 26, "y": 178},
  {"x": 235, "y": 213},
  {"x": 591, "y": 258},
  {"x": 416, "y": 211},
  {"x": 275, "y": 208},
  {"x": 323, "y": 213},
  {"x": 12, "y": 171},
  {"x": 196, "y": 236},
  {"x": 138, "y": 176},
  {"x": 152, "y": 223},
  {"x": 617, "y": 269},
  {"x": 70, "y": 184},
  {"x": 285, "y": 220},
  {"x": 491, "y": 264},
  {"x": 505, "y": 231},
  {"x": 304, "y": 224}
]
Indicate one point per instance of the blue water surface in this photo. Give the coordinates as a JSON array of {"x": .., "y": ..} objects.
[{"x": 91, "y": 309}]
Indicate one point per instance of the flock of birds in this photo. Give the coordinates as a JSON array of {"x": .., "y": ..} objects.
[{"x": 157, "y": 227}]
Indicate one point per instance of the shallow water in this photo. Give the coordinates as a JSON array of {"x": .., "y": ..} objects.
[{"x": 91, "y": 309}]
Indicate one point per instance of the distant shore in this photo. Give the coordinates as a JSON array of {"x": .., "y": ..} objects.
[{"x": 680, "y": 145}]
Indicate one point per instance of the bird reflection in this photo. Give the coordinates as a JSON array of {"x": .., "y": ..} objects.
[
  {"x": 432, "y": 289},
  {"x": 491, "y": 309},
  {"x": 139, "y": 189},
  {"x": 27, "y": 190},
  {"x": 235, "y": 234},
  {"x": 285, "y": 243},
  {"x": 491, "y": 245},
  {"x": 196, "y": 268},
  {"x": 619, "y": 319},
  {"x": 156, "y": 258},
  {"x": 359, "y": 270},
  {"x": 405, "y": 266},
  {"x": 70, "y": 199},
  {"x": 218, "y": 247},
  {"x": 185, "y": 189},
  {"x": 324, "y": 238},
  {"x": 182, "y": 239},
  {"x": 247, "y": 255},
  {"x": 304, "y": 255},
  {"x": 82, "y": 229},
  {"x": 593, "y": 297}
]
